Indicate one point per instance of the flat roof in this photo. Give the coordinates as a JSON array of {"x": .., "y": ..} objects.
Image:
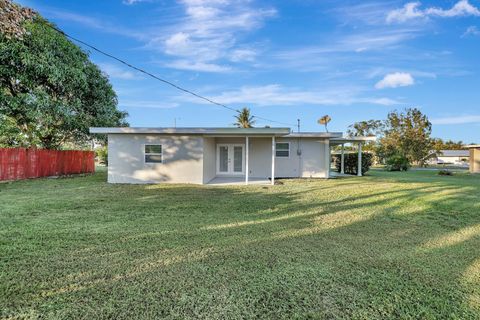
[
  {"x": 453, "y": 153},
  {"x": 352, "y": 139},
  {"x": 315, "y": 135},
  {"x": 194, "y": 131},
  {"x": 472, "y": 146}
]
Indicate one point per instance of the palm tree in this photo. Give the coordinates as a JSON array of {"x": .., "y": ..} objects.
[
  {"x": 244, "y": 119},
  {"x": 325, "y": 120}
]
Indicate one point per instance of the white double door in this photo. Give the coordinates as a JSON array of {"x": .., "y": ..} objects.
[{"x": 231, "y": 159}]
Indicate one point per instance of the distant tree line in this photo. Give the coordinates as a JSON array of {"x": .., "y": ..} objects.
[
  {"x": 404, "y": 138},
  {"x": 439, "y": 144}
]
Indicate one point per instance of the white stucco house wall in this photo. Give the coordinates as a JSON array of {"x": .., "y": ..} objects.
[
  {"x": 206, "y": 155},
  {"x": 455, "y": 157}
]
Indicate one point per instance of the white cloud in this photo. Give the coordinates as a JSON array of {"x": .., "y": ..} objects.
[
  {"x": 240, "y": 55},
  {"x": 198, "y": 66},
  {"x": 337, "y": 51},
  {"x": 461, "y": 8},
  {"x": 383, "y": 101},
  {"x": 412, "y": 11},
  {"x": 209, "y": 32},
  {"x": 471, "y": 31},
  {"x": 178, "y": 44},
  {"x": 376, "y": 72},
  {"x": 116, "y": 72},
  {"x": 133, "y": 2},
  {"x": 202, "y": 12},
  {"x": 277, "y": 95},
  {"x": 394, "y": 80},
  {"x": 456, "y": 120},
  {"x": 375, "y": 40},
  {"x": 408, "y": 12},
  {"x": 364, "y": 12},
  {"x": 88, "y": 21}
]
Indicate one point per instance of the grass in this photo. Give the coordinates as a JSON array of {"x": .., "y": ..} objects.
[{"x": 385, "y": 246}]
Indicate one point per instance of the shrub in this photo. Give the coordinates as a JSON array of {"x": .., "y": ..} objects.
[
  {"x": 102, "y": 155},
  {"x": 445, "y": 172},
  {"x": 397, "y": 163},
  {"x": 351, "y": 162}
]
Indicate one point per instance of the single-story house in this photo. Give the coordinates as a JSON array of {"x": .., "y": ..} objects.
[
  {"x": 474, "y": 157},
  {"x": 216, "y": 155},
  {"x": 456, "y": 157}
]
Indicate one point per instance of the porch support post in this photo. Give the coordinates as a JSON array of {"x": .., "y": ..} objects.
[
  {"x": 328, "y": 157},
  {"x": 246, "y": 159},
  {"x": 342, "y": 160},
  {"x": 273, "y": 160},
  {"x": 359, "y": 171}
]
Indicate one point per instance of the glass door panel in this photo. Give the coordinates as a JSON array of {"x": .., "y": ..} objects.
[
  {"x": 238, "y": 159},
  {"x": 223, "y": 159}
]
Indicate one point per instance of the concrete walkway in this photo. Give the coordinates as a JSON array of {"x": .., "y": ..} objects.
[{"x": 225, "y": 181}]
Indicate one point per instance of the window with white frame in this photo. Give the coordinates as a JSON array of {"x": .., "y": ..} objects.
[
  {"x": 282, "y": 149},
  {"x": 153, "y": 153}
]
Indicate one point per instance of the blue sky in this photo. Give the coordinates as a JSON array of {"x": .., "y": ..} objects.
[{"x": 353, "y": 60}]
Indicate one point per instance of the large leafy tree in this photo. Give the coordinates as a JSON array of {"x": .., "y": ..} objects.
[
  {"x": 406, "y": 134},
  {"x": 244, "y": 119},
  {"x": 366, "y": 128},
  {"x": 50, "y": 93}
]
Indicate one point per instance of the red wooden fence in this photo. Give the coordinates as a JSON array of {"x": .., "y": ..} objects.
[{"x": 19, "y": 163}]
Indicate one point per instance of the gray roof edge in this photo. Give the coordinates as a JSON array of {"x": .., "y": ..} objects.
[
  {"x": 453, "y": 153},
  {"x": 191, "y": 131},
  {"x": 314, "y": 135},
  {"x": 357, "y": 138}
]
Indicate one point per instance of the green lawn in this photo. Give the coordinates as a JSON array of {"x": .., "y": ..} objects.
[{"x": 390, "y": 245}]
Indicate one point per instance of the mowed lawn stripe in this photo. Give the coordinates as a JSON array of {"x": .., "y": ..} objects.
[{"x": 389, "y": 245}]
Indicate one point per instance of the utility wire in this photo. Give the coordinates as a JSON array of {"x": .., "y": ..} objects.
[{"x": 158, "y": 78}]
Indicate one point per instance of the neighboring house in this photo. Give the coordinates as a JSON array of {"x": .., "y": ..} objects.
[
  {"x": 474, "y": 150},
  {"x": 210, "y": 155},
  {"x": 455, "y": 157}
]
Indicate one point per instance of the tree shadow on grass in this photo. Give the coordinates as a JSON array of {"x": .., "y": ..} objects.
[{"x": 383, "y": 250}]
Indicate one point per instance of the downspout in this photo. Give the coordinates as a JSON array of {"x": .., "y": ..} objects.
[{"x": 299, "y": 154}]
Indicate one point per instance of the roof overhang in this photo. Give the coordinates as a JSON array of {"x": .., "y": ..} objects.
[
  {"x": 195, "y": 131},
  {"x": 325, "y": 135},
  {"x": 338, "y": 141},
  {"x": 453, "y": 153},
  {"x": 475, "y": 146}
]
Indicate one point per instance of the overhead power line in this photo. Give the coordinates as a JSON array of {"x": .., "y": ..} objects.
[{"x": 158, "y": 78}]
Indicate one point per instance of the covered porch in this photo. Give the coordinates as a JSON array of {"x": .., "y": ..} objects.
[
  {"x": 235, "y": 160},
  {"x": 354, "y": 141},
  {"x": 259, "y": 159}
]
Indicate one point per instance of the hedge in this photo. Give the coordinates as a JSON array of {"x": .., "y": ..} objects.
[
  {"x": 397, "y": 163},
  {"x": 351, "y": 162}
]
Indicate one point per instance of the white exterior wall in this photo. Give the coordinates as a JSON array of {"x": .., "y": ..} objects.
[
  {"x": 209, "y": 159},
  {"x": 182, "y": 159},
  {"x": 290, "y": 167},
  {"x": 192, "y": 159},
  {"x": 260, "y": 157},
  {"x": 312, "y": 161},
  {"x": 456, "y": 159}
]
